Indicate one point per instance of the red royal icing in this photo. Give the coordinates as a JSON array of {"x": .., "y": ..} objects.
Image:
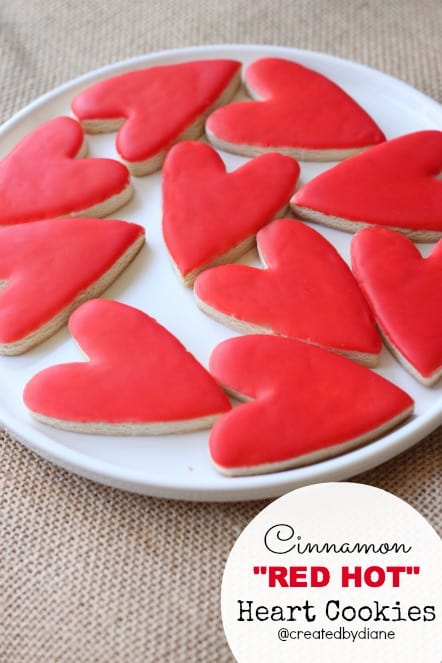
[
  {"x": 307, "y": 291},
  {"x": 40, "y": 178},
  {"x": 157, "y": 104},
  {"x": 47, "y": 264},
  {"x": 305, "y": 400},
  {"x": 137, "y": 373},
  {"x": 297, "y": 108},
  {"x": 207, "y": 212},
  {"x": 404, "y": 291},
  {"x": 393, "y": 184}
]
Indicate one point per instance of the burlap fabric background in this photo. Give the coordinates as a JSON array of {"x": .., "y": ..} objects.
[{"x": 88, "y": 573}]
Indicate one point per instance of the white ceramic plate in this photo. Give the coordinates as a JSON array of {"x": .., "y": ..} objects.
[{"x": 178, "y": 466}]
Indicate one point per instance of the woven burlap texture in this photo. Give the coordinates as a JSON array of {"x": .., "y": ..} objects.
[{"x": 92, "y": 574}]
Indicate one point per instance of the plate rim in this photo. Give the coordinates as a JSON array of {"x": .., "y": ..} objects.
[{"x": 254, "y": 486}]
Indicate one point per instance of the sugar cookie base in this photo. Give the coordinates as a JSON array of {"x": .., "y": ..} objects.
[
  {"x": 129, "y": 428},
  {"x": 298, "y": 153},
  {"x": 353, "y": 226},
  {"x": 109, "y": 205}
]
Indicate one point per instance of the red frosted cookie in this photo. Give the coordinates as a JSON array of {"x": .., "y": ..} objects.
[
  {"x": 42, "y": 177},
  {"x": 139, "y": 379},
  {"x": 305, "y": 405},
  {"x": 307, "y": 292},
  {"x": 154, "y": 108},
  {"x": 210, "y": 216},
  {"x": 395, "y": 184},
  {"x": 47, "y": 268},
  {"x": 404, "y": 291},
  {"x": 298, "y": 112}
]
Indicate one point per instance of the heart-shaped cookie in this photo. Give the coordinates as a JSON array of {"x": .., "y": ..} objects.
[
  {"x": 47, "y": 268},
  {"x": 156, "y": 107},
  {"x": 404, "y": 291},
  {"x": 139, "y": 379},
  {"x": 395, "y": 184},
  {"x": 41, "y": 177},
  {"x": 305, "y": 405},
  {"x": 307, "y": 292},
  {"x": 299, "y": 112},
  {"x": 210, "y": 216}
]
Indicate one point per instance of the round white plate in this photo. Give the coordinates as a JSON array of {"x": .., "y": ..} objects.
[{"x": 178, "y": 466}]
